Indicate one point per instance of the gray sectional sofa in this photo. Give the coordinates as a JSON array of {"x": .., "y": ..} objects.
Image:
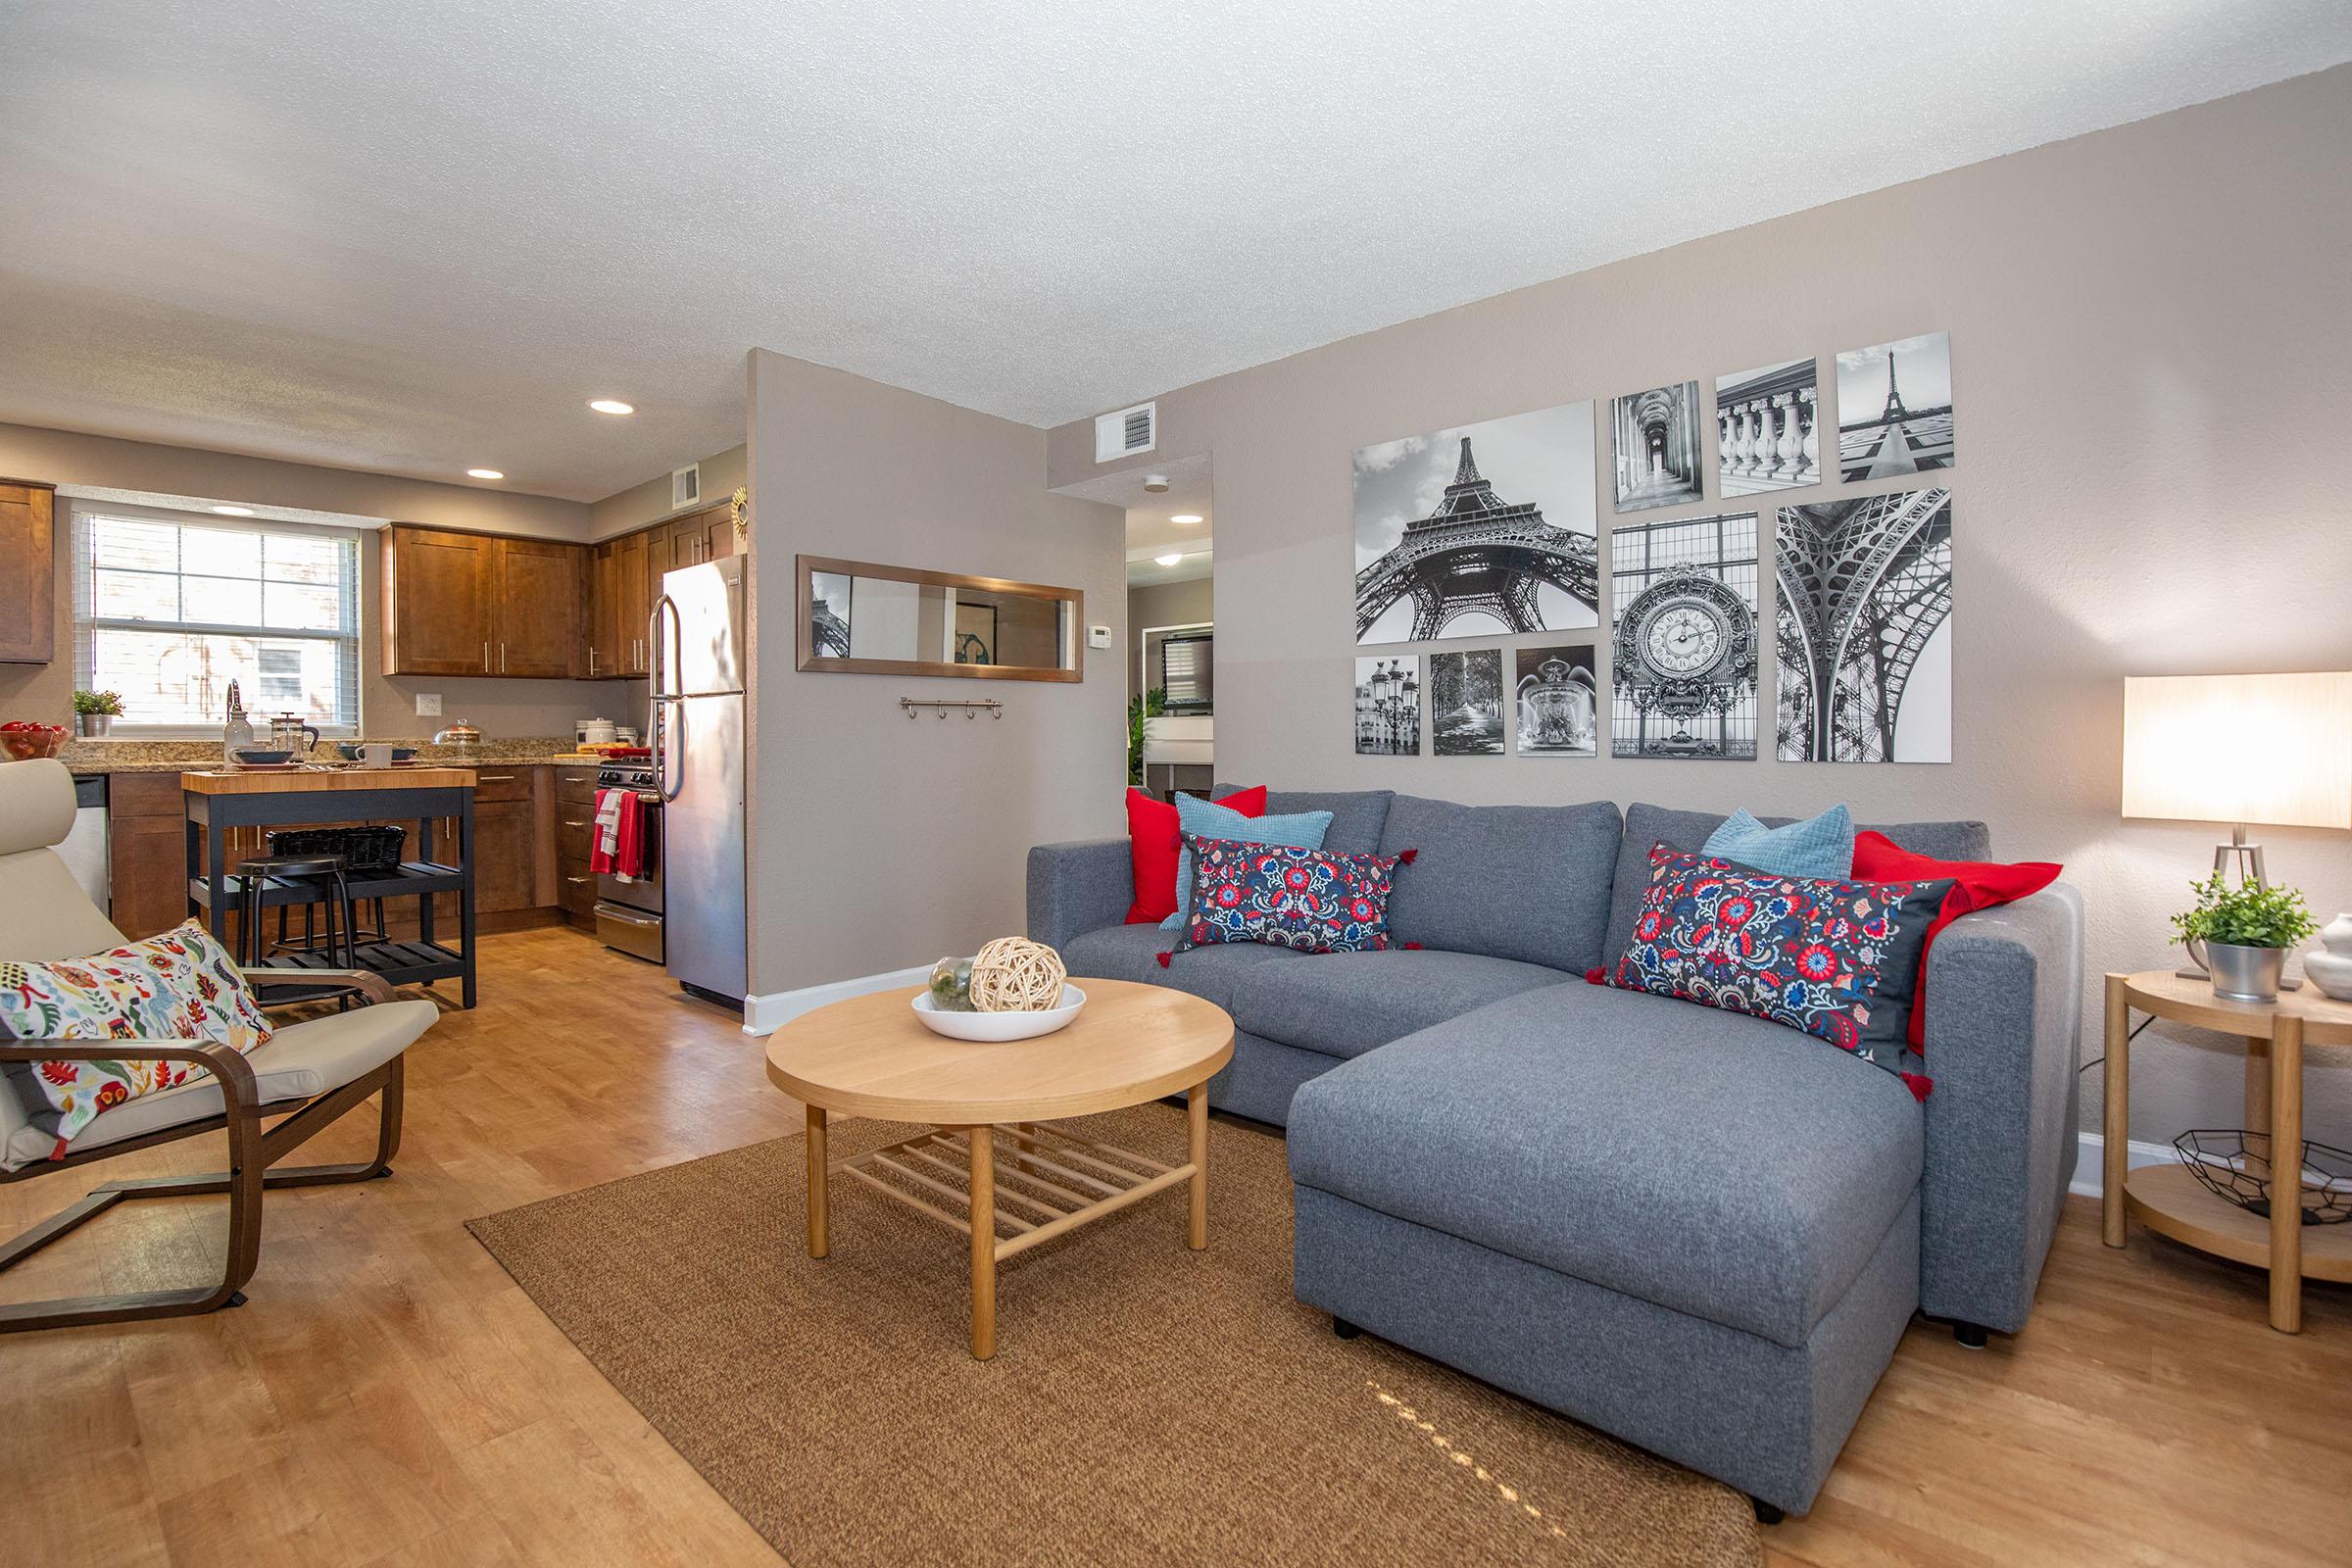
[{"x": 1700, "y": 1232}]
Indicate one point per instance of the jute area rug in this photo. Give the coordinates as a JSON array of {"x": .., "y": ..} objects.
[{"x": 1147, "y": 1404}]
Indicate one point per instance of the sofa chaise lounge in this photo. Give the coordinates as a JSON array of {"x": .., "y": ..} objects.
[{"x": 1701, "y": 1232}]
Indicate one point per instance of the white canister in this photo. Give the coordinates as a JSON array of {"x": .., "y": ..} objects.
[{"x": 598, "y": 732}]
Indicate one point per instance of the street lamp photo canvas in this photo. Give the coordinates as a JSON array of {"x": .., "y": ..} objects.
[
  {"x": 1388, "y": 706},
  {"x": 1478, "y": 530},
  {"x": 1559, "y": 708},
  {"x": 1894, "y": 408},
  {"x": 1864, "y": 631},
  {"x": 1465, "y": 702}
]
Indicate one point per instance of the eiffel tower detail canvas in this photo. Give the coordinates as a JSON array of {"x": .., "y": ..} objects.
[
  {"x": 1479, "y": 529},
  {"x": 1895, "y": 409}
]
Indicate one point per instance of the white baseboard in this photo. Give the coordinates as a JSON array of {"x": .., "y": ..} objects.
[
  {"x": 2090, "y": 1168},
  {"x": 766, "y": 1014}
]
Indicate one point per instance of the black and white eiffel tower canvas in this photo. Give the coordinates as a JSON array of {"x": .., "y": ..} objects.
[
  {"x": 1895, "y": 409},
  {"x": 1865, "y": 630},
  {"x": 1479, "y": 529}
]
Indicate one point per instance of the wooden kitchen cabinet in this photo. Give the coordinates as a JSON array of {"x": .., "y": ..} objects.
[
  {"x": 27, "y": 572},
  {"x": 541, "y": 595},
  {"x": 147, "y": 855},
  {"x": 471, "y": 603}
]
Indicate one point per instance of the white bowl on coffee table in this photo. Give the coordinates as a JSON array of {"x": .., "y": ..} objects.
[{"x": 994, "y": 1028}]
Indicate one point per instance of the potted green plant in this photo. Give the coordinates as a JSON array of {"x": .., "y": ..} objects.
[
  {"x": 96, "y": 711},
  {"x": 2241, "y": 934},
  {"x": 1151, "y": 705}
]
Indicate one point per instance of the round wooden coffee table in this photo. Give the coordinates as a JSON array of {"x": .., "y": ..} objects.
[{"x": 1130, "y": 1043}]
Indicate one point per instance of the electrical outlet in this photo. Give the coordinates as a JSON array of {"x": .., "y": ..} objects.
[{"x": 428, "y": 704}]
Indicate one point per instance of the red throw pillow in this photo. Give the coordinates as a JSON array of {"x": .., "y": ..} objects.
[
  {"x": 1153, "y": 843},
  {"x": 1976, "y": 885}
]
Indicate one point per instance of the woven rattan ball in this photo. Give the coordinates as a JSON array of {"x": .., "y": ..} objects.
[{"x": 1013, "y": 974}]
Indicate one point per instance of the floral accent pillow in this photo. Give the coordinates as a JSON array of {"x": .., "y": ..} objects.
[
  {"x": 178, "y": 985},
  {"x": 1837, "y": 958},
  {"x": 1288, "y": 897}
]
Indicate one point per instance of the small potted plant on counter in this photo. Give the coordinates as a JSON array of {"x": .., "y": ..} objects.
[
  {"x": 2241, "y": 934},
  {"x": 97, "y": 712}
]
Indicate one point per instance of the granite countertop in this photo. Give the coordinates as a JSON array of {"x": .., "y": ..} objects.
[{"x": 181, "y": 756}]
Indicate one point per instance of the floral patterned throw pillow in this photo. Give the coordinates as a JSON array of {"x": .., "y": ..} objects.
[
  {"x": 1310, "y": 900},
  {"x": 1834, "y": 958},
  {"x": 177, "y": 986}
]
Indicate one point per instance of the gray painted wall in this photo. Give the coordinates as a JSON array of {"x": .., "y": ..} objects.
[
  {"x": 649, "y": 501},
  {"x": 879, "y": 842},
  {"x": 2152, "y": 361}
]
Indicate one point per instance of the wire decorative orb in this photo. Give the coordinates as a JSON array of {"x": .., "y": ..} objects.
[{"x": 1013, "y": 974}]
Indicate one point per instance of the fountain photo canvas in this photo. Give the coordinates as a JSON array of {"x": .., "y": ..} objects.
[{"x": 1557, "y": 703}]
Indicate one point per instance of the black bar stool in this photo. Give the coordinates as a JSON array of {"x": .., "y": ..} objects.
[{"x": 320, "y": 876}]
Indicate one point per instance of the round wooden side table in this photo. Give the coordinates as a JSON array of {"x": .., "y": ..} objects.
[{"x": 2168, "y": 1198}]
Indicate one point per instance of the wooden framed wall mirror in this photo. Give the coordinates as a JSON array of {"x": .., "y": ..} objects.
[{"x": 859, "y": 618}]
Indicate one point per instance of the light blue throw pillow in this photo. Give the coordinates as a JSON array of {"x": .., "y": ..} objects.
[
  {"x": 1818, "y": 848},
  {"x": 1197, "y": 818}
]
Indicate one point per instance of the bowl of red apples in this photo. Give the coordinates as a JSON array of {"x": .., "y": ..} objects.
[{"x": 22, "y": 740}]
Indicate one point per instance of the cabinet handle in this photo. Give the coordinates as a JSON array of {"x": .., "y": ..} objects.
[
  {"x": 494, "y": 778},
  {"x": 575, "y": 821},
  {"x": 485, "y": 658},
  {"x": 592, "y": 660},
  {"x": 502, "y": 659},
  {"x": 579, "y": 879}
]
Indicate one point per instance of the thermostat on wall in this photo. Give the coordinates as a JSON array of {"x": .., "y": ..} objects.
[{"x": 1098, "y": 636}]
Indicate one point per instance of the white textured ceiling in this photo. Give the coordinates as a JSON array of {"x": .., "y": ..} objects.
[{"x": 417, "y": 237}]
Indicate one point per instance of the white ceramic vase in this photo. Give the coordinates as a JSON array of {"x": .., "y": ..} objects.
[{"x": 2331, "y": 970}]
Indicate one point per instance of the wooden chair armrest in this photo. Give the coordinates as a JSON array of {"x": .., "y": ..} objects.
[
  {"x": 232, "y": 1070},
  {"x": 369, "y": 984}
]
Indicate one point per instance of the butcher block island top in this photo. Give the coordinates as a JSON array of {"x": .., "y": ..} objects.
[
  {"x": 229, "y": 817},
  {"x": 245, "y": 781}
]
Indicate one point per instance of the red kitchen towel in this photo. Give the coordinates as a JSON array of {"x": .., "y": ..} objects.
[{"x": 618, "y": 841}]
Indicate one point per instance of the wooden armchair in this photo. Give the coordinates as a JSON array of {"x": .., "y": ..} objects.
[{"x": 309, "y": 1072}]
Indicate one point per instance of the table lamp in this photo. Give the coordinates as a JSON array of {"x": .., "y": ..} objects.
[{"x": 2241, "y": 750}]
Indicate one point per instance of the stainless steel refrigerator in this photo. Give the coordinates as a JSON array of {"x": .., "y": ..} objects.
[{"x": 697, "y": 732}]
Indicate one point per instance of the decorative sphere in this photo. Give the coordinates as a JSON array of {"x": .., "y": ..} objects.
[{"x": 1013, "y": 974}]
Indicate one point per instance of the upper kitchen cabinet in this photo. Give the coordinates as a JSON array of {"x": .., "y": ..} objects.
[
  {"x": 467, "y": 604},
  {"x": 27, "y": 573}
]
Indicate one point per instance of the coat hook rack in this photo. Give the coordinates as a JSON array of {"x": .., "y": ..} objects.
[{"x": 994, "y": 708}]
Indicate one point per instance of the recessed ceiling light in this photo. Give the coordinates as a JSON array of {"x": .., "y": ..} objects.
[
  {"x": 1185, "y": 517},
  {"x": 234, "y": 512},
  {"x": 1167, "y": 560},
  {"x": 612, "y": 406},
  {"x": 484, "y": 474}
]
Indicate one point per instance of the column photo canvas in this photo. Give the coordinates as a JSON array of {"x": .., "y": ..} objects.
[
  {"x": 1478, "y": 530},
  {"x": 1766, "y": 434},
  {"x": 1864, "y": 630},
  {"x": 1894, "y": 408},
  {"x": 1657, "y": 448},
  {"x": 1683, "y": 658},
  {"x": 1557, "y": 697},
  {"x": 1465, "y": 702},
  {"x": 1388, "y": 706}
]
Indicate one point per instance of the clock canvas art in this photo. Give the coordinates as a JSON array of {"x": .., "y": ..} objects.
[
  {"x": 1465, "y": 702},
  {"x": 1478, "y": 530},
  {"x": 1558, "y": 703},
  {"x": 1683, "y": 659},
  {"x": 1864, "y": 632}
]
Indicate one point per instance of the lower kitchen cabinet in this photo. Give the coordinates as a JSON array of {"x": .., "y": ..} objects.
[{"x": 146, "y": 836}]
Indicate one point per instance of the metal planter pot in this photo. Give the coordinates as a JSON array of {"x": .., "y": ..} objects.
[{"x": 2244, "y": 975}]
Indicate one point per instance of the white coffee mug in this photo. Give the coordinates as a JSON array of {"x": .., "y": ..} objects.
[{"x": 377, "y": 754}]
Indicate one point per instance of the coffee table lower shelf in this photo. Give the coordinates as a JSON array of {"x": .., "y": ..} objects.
[
  {"x": 1033, "y": 1178},
  {"x": 2170, "y": 1201}
]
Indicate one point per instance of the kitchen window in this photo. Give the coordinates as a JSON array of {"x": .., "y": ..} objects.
[
  {"x": 170, "y": 608},
  {"x": 1188, "y": 673}
]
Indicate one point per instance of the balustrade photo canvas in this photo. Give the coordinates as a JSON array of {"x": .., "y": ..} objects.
[
  {"x": 1894, "y": 408},
  {"x": 1766, "y": 434},
  {"x": 1682, "y": 658},
  {"x": 1657, "y": 448},
  {"x": 1388, "y": 706},
  {"x": 1558, "y": 703},
  {"x": 1465, "y": 702},
  {"x": 1478, "y": 530},
  {"x": 1865, "y": 630}
]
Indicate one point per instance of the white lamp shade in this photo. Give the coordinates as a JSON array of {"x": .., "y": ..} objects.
[{"x": 2273, "y": 749}]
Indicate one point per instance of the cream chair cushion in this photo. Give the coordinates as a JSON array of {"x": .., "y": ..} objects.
[{"x": 300, "y": 1062}]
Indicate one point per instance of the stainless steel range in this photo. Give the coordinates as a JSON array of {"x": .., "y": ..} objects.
[{"x": 628, "y": 909}]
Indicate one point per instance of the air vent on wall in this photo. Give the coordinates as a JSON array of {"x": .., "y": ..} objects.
[
  {"x": 1127, "y": 432},
  {"x": 685, "y": 486}
]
